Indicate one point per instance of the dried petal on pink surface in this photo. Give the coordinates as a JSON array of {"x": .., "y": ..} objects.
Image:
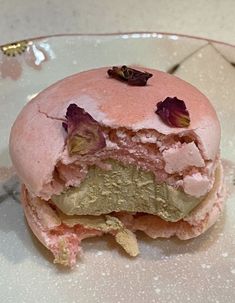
[
  {"x": 130, "y": 75},
  {"x": 173, "y": 112},
  {"x": 84, "y": 133}
]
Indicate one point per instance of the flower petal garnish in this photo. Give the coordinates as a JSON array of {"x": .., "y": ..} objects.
[
  {"x": 84, "y": 133},
  {"x": 130, "y": 75},
  {"x": 173, "y": 112}
]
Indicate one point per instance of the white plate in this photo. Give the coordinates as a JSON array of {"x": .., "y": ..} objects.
[{"x": 198, "y": 270}]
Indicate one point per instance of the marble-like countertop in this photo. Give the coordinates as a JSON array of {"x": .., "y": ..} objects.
[{"x": 30, "y": 18}]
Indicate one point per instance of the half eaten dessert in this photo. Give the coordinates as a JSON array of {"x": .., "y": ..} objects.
[{"x": 115, "y": 151}]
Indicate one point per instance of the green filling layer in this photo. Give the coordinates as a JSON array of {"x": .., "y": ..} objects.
[{"x": 125, "y": 188}]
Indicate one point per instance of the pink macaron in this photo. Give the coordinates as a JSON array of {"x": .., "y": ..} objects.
[{"x": 81, "y": 123}]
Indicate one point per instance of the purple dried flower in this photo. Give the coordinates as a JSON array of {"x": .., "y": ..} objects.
[
  {"x": 173, "y": 112},
  {"x": 84, "y": 133},
  {"x": 130, "y": 75}
]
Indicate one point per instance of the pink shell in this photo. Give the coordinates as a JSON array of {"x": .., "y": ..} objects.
[{"x": 110, "y": 102}]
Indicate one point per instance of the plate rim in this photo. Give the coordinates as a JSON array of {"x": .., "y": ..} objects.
[{"x": 110, "y": 34}]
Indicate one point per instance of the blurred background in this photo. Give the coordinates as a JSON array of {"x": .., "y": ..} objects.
[{"x": 212, "y": 19}]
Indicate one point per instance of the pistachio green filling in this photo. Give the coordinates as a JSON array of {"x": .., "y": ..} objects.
[{"x": 125, "y": 188}]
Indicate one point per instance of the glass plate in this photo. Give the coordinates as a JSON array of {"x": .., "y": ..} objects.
[{"x": 167, "y": 270}]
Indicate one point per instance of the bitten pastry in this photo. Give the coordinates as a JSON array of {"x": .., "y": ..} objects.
[{"x": 115, "y": 151}]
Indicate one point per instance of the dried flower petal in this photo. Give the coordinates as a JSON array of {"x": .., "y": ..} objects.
[
  {"x": 173, "y": 112},
  {"x": 84, "y": 133},
  {"x": 132, "y": 76}
]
